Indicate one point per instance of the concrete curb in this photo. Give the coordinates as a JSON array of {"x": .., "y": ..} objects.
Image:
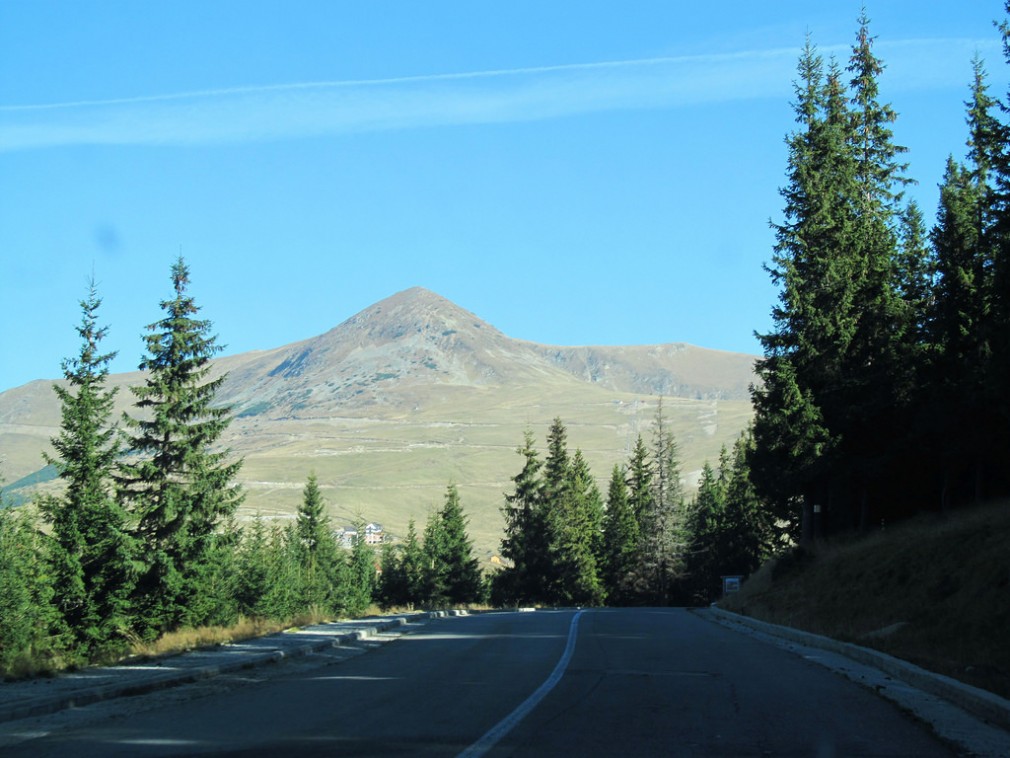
[
  {"x": 47, "y": 704},
  {"x": 983, "y": 704}
]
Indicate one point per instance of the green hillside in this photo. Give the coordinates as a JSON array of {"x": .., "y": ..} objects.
[
  {"x": 395, "y": 468},
  {"x": 934, "y": 591}
]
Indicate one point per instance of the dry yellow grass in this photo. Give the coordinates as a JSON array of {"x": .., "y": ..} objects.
[{"x": 934, "y": 591}]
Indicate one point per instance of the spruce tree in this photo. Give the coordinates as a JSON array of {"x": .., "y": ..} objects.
[
  {"x": 319, "y": 555},
  {"x": 391, "y": 590},
  {"x": 524, "y": 544},
  {"x": 178, "y": 486},
  {"x": 412, "y": 566},
  {"x": 92, "y": 549},
  {"x": 993, "y": 141},
  {"x": 255, "y": 578},
  {"x": 361, "y": 573},
  {"x": 869, "y": 418},
  {"x": 759, "y": 534},
  {"x": 661, "y": 547},
  {"x": 556, "y": 495},
  {"x": 793, "y": 450},
  {"x": 815, "y": 321},
  {"x": 462, "y": 578},
  {"x": 284, "y": 599},
  {"x": 703, "y": 564},
  {"x": 730, "y": 530},
  {"x": 217, "y": 602},
  {"x": 965, "y": 325},
  {"x": 960, "y": 357},
  {"x": 434, "y": 586},
  {"x": 621, "y": 538},
  {"x": 577, "y": 534},
  {"x": 639, "y": 480},
  {"x": 916, "y": 271},
  {"x": 32, "y": 631}
]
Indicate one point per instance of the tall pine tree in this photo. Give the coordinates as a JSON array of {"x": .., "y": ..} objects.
[
  {"x": 319, "y": 556},
  {"x": 578, "y": 538},
  {"x": 661, "y": 546},
  {"x": 621, "y": 538},
  {"x": 524, "y": 544},
  {"x": 92, "y": 549},
  {"x": 463, "y": 583},
  {"x": 178, "y": 485}
]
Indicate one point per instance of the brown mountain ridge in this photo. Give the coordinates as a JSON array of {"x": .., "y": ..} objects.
[{"x": 414, "y": 392}]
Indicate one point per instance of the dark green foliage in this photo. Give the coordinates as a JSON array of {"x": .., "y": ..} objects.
[
  {"x": 254, "y": 571},
  {"x": 284, "y": 598},
  {"x": 814, "y": 322},
  {"x": 661, "y": 542},
  {"x": 391, "y": 590},
  {"x": 179, "y": 488},
  {"x": 320, "y": 559},
  {"x": 554, "y": 541},
  {"x": 433, "y": 580},
  {"x": 966, "y": 327},
  {"x": 883, "y": 384},
  {"x": 729, "y": 529},
  {"x": 216, "y": 604},
  {"x": 578, "y": 533},
  {"x": 564, "y": 548},
  {"x": 92, "y": 551},
  {"x": 32, "y": 631},
  {"x": 620, "y": 541},
  {"x": 837, "y": 376},
  {"x": 462, "y": 577},
  {"x": 568, "y": 522},
  {"x": 704, "y": 522},
  {"x": 412, "y": 565},
  {"x": 361, "y": 574},
  {"x": 640, "y": 490},
  {"x": 451, "y": 574},
  {"x": 524, "y": 544}
]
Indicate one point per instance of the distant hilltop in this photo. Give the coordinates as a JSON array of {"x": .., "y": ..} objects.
[{"x": 416, "y": 339}]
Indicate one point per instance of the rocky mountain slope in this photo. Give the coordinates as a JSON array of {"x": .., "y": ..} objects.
[{"x": 414, "y": 392}]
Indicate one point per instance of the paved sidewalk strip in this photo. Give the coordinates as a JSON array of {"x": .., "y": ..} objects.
[{"x": 35, "y": 697}]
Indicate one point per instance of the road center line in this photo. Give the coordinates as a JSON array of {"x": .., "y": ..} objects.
[{"x": 507, "y": 724}]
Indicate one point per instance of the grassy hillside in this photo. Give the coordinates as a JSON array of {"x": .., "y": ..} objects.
[
  {"x": 397, "y": 467},
  {"x": 388, "y": 464},
  {"x": 934, "y": 591}
]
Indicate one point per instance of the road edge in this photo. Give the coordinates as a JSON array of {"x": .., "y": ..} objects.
[
  {"x": 49, "y": 704},
  {"x": 980, "y": 703}
]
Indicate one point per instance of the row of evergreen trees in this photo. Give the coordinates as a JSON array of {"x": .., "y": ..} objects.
[
  {"x": 645, "y": 544},
  {"x": 440, "y": 570},
  {"x": 883, "y": 386},
  {"x": 142, "y": 540}
]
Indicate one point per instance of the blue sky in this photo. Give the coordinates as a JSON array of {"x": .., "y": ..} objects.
[{"x": 573, "y": 173}]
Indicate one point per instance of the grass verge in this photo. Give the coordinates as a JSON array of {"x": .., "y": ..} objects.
[{"x": 934, "y": 591}]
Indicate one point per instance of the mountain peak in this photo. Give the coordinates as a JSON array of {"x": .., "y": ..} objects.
[
  {"x": 413, "y": 311},
  {"x": 394, "y": 352}
]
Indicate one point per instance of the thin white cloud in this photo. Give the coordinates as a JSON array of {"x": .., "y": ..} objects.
[{"x": 293, "y": 111}]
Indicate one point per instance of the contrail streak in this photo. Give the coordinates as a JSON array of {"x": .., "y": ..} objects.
[{"x": 307, "y": 109}]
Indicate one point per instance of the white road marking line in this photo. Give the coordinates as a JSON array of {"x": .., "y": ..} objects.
[{"x": 507, "y": 724}]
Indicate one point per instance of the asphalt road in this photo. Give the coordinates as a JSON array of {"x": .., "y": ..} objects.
[{"x": 636, "y": 682}]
